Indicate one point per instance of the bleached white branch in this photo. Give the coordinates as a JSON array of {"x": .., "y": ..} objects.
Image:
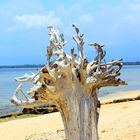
[
  {"x": 25, "y": 78},
  {"x": 65, "y": 72},
  {"x": 28, "y": 103},
  {"x": 79, "y": 41}
]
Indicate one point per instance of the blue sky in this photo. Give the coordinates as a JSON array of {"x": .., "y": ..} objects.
[{"x": 24, "y": 34}]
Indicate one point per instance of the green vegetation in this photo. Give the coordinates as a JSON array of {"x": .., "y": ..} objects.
[
  {"x": 132, "y": 63},
  {"x": 23, "y": 66},
  {"x": 40, "y": 65}
]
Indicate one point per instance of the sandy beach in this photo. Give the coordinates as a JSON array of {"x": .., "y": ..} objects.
[{"x": 118, "y": 121}]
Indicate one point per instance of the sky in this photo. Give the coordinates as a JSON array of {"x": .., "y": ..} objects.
[{"x": 24, "y": 34}]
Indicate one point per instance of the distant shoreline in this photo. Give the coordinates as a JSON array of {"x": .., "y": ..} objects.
[
  {"x": 22, "y": 66},
  {"x": 41, "y": 65}
]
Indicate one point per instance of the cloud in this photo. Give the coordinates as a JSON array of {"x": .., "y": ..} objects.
[
  {"x": 133, "y": 17},
  {"x": 113, "y": 23},
  {"x": 25, "y": 22},
  {"x": 87, "y": 18}
]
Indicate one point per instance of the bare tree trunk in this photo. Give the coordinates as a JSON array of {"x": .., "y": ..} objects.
[
  {"x": 79, "y": 114},
  {"x": 71, "y": 85}
]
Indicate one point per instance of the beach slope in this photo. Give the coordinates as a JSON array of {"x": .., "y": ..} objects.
[{"x": 118, "y": 121}]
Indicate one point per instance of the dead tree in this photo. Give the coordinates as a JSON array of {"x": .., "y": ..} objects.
[{"x": 72, "y": 85}]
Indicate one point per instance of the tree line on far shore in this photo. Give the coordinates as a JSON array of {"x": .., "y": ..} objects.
[{"x": 41, "y": 65}]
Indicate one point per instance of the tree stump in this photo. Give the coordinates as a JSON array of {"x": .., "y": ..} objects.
[{"x": 72, "y": 85}]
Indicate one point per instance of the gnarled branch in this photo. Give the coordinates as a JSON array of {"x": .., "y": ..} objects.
[{"x": 65, "y": 71}]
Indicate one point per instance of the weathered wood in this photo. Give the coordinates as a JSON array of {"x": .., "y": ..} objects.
[
  {"x": 79, "y": 114},
  {"x": 72, "y": 85}
]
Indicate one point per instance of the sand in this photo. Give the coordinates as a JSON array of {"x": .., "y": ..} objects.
[
  {"x": 120, "y": 121},
  {"x": 120, "y": 95}
]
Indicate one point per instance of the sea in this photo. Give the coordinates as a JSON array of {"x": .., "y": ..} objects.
[{"x": 131, "y": 74}]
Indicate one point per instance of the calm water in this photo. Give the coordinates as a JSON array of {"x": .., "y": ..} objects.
[
  {"x": 7, "y": 84},
  {"x": 131, "y": 74}
]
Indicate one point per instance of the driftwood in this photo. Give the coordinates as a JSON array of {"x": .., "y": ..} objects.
[{"x": 72, "y": 85}]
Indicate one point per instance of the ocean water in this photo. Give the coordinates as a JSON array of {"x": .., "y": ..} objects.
[
  {"x": 8, "y": 86},
  {"x": 131, "y": 74}
]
